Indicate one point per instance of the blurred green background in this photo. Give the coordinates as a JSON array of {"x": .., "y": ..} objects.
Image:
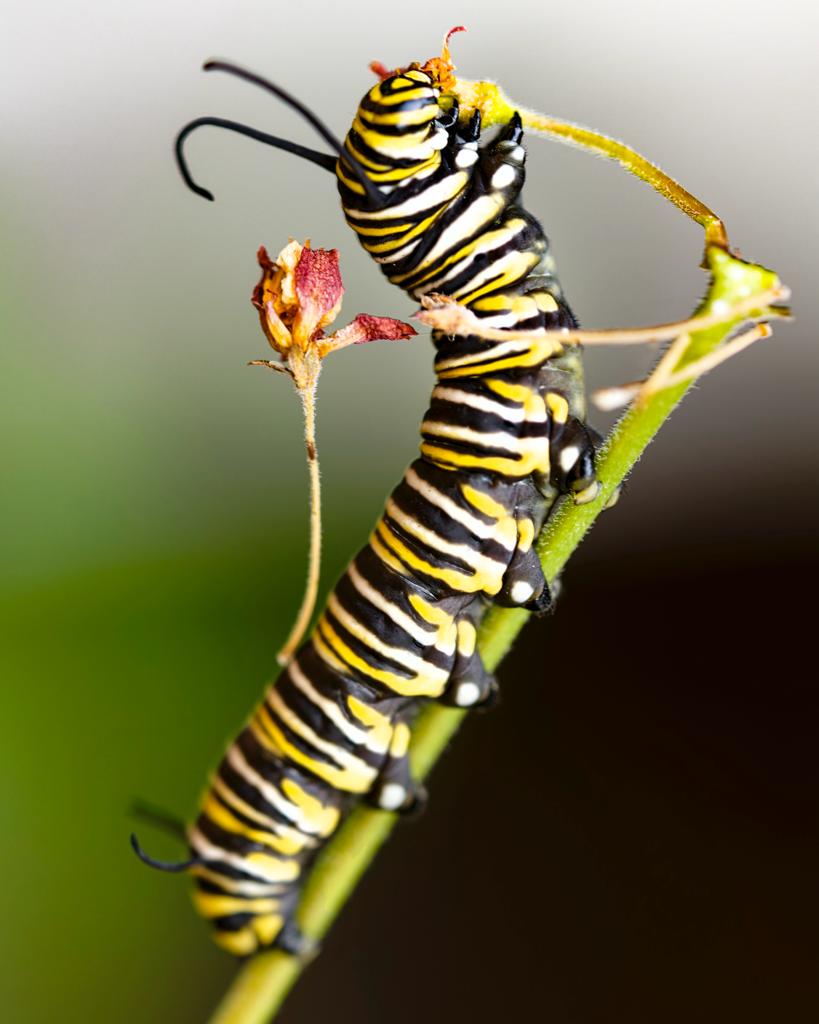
[{"x": 153, "y": 490}]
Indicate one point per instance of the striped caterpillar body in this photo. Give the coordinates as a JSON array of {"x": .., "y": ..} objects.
[{"x": 503, "y": 436}]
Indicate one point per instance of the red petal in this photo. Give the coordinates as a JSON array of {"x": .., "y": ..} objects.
[
  {"x": 381, "y": 328},
  {"x": 367, "y": 328},
  {"x": 318, "y": 280}
]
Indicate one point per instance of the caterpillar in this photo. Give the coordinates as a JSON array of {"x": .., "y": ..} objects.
[{"x": 437, "y": 207}]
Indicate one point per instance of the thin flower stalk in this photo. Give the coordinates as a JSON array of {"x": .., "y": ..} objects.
[{"x": 298, "y": 296}]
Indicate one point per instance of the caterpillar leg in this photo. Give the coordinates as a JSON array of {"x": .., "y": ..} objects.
[
  {"x": 572, "y": 460},
  {"x": 470, "y": 684},
  {"x": 292, "y": 940},
  {"x": 597, "y": 441},
  {"x": 524, "y": 585},
  {"x": 395, "y": 789}
]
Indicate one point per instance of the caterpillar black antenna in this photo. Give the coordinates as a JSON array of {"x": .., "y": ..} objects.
[
  {"x": 306, "y": 153},
  {"x": 322, "y": 159},
  {"x": 158, "y": 817},
  {"x": 163, "y": 865}
]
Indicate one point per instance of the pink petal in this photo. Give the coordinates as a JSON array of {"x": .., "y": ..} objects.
[{"x": 318, "y": 285}]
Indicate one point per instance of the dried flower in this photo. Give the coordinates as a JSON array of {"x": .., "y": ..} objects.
[{"x": 300, "y": 294}]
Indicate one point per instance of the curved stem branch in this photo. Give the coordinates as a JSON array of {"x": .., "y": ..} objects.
[
  {"x": 262, "y": 984},
  {"x": 497, "y": 108}
]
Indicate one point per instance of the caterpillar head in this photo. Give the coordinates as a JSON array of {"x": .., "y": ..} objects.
[{"x": 408, "y": 117}]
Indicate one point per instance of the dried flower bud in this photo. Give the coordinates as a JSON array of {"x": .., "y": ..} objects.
[{"x": 300, "y": 294}]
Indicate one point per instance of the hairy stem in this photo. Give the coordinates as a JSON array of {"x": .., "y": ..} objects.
[
  {"x": 263, "y": 982},
  {"x": 497, "y": 108},
  {"x": 307, "y": 394}
]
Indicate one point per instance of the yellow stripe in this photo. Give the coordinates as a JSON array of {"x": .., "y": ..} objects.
[
  {"x": 421, "y": 684},
  {"x": 267, "y": 927},
  {"x": 321, "y": 818},
  {"x": 222, "y": 817},
  {"x": 458, "y": 581},
  {"x": 380, "y": 726},
  {"x": 490, "y": 464},
  {"x": 526, "y": 534},
  {"x": 467, "y": 636},
  {"x": 241, "y": 943},
  {"x": 395, "y": 99},
  {"x": 290, "y": 839},
  {"x": 520, "y": 360},
  {"x": 435, "y": 269},
  {"x": 274, "y": 739},
  {"x": 386, "y": 555},
  {"x": 351, "y": 183},
  {"x": 433, "y": 615},
  {"x": 360, "y": 158},
  {"x": 390, "y": 144},
  {"x": 365, "y": 231},
  {"x": 349, "y": 763},
  {"x": 210, "y": 904},
  {"x": 399, "y": 243},
  {"x": 420, "y": 116},
  {"x": 400, "y": 741},
  {"x": 487, "y": 240},
  {"x": 511, "y": 392},
  {"x": 558, "y": 406},
  {"x": 516, "y": 267},
  {"x": 408, "y": 660},
  {"x": 483, "y": 503}
]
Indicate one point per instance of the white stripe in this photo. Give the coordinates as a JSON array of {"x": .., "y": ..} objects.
[
  {"x": 207, "y": 851},
  {"x": 345, "y": 760},
  {"x": 390, "y": 148},
  {"x": 491, "y": 240},
  {"x": 442, "y": 191},
  {"x": 236, "y": 888},
  {"x": 260, "y": 820},
  {"x": 399, "y": 617},
  {"x": 478, "y": 214},
  {"x": 511, "y": 415},
  {"x": 515, "y": 262},
  {"x": 360, "y": 736},
  {"x": 501, "y": 350},
  {"x": 236, "y": 759},
  {"x": 486, "y": 531},
  {"x": 399, "y": 254},
  {"x": 474, "y": 559},
  {"x": 496, "y": 439},
  {"x": 413, "y": 662}
]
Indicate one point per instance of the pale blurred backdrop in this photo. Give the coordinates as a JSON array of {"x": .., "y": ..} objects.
[{"x": 153, "y": 488}]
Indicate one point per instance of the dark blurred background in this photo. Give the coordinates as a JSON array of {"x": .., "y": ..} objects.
[{"x": 632, "y": 835}]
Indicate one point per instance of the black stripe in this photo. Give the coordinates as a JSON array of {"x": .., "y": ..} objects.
[
  {"x": 460, "y": 414},
  {"x": 440, "y": 522},
  {"x": 247, "y": 792},
  {"x": 470, "y": 448},
  {"x": 435, "y": 558},
  {"x": 300, "y": 743},
  {"x": 276, "y": 769},
  {"x": 375, "y": 659},
  {"x": 313, "y": 716}
]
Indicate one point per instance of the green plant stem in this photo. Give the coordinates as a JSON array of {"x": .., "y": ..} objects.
[{"x": 263, "y": 982}]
